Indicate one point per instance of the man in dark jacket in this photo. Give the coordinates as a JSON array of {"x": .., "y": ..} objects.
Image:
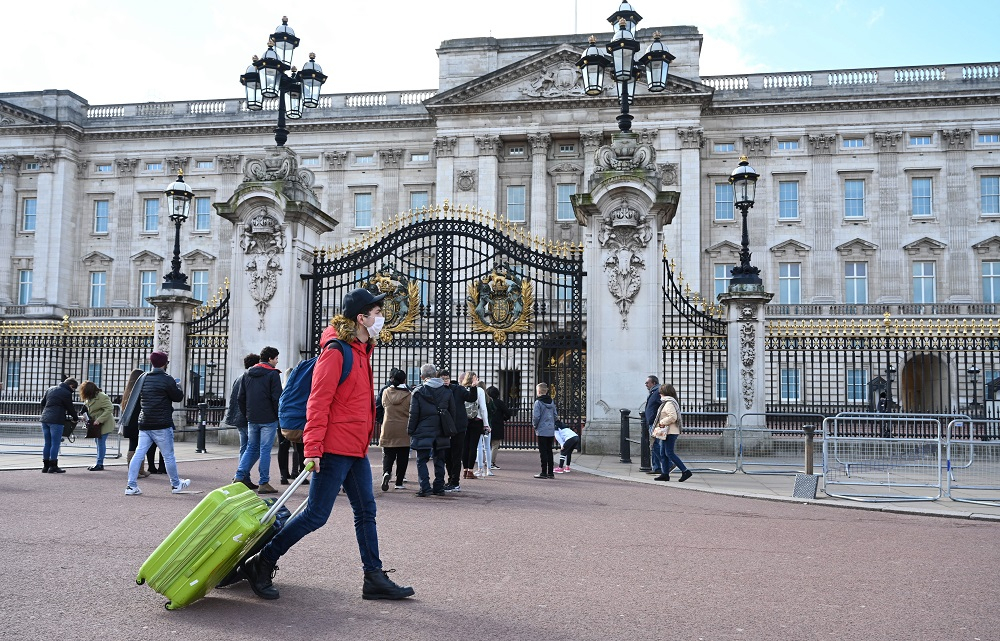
[
  {"x": 427, "y": 435},
  {"x": 234, "y": 415},
  {"x": 652, "y": 405},
  {"x": 57, "y": 404},
  {"x": 157, "y": 395},
  {"x": 258, "y": 400},
  {"x": 457, "y": 445}
]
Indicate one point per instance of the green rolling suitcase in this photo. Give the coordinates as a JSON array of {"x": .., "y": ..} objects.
[{"x": 209, "y": 543}]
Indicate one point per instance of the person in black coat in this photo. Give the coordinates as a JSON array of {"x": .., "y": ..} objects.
[
  {"x": 499, "y": 415},
  {"x": 427, "y": 435},
  {"x": 258, "y": 400},
  {"x": 57, "y": 404},
  {"x": 234, "y": 415},
  {"x": 652, "y": 407},
  {"x": 457, "y": 446}
]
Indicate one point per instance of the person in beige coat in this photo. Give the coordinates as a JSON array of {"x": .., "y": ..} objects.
[
  {"x": 100, "y": 410},
  {"x": 394, "y": 440},
  {"x": 666, "y": 429}
]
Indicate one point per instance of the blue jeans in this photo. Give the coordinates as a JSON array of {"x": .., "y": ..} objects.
[
  {"x": 164, "y": 440},
  {"x": 440, "y": 456},
  {"x": 260, "y": 441},
  {"x": 670, "y": 456},
  {"x": 355, "y": 476},
  {"x": 102, "y": 447},
  {"x": 657, "y": 451},
  {"x": 243, "y": 439},
  {"x": 53, "y": 436}
]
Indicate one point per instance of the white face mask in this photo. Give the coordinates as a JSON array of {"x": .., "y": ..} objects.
[{"x": 376, "y": 327}]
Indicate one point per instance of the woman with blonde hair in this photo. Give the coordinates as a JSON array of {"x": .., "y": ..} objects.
[
  {"x": 667, "y": 428},
  {"x": 100, "y": 411}
]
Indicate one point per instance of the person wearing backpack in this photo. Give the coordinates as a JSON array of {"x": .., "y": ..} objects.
[
  {"x": 340, "y": 417},
  {"x": 427, "y": 433}
]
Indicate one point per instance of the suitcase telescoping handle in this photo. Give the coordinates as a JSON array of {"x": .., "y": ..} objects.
[{"x": 287, "y": 494}]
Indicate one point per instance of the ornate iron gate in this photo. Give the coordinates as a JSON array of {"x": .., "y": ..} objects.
[
  {"x": 207, "y": 344},
  {"x": 468, "y": 291}
]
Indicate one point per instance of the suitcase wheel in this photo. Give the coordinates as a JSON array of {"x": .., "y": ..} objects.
[
  {"x": 139, "y": 580},
  {"x": 169, "y": 605}
]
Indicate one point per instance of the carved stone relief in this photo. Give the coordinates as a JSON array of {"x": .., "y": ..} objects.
[
  {"x": 336, "y": 159},
  {"x": 488, "y": 145},
  {"x": 445, "y": 145},
  {"x": 668, "y": 173},
  {"x": 957, "y": 138},
  {"x": 591, "y": 140},
  {"x": 126, "y": 166},
  {"x": 748, "y": 339},
  {"x": 163, "y": 336},
  {"x": 263, "y": 239},
  {"x": 45, "y": 161},
  {"x": 888, "y": 139},
  {"x": 228, "y": 164},
  {"x": 625, "y": 153},
  {"x": 822, "y": 142},
  {"x": 466, "y": 179},
  {"x": 560, "y": 82},
  {"x": 624, "y": 235},
  {"x": 390, "y": 157},
  {"x": 177, "y": 163},
  {"x": 10, "y": 165},
  {"x": 691, "y": 137},
  {"x": 756, "y": 144}
]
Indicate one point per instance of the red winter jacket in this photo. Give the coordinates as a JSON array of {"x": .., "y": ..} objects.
[{"x": 340, "y": 418}]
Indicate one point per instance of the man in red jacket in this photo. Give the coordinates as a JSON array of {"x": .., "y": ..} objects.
[{"x": 339, "y": 420}]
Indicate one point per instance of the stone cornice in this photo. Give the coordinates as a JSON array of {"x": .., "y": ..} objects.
[{"x": 852, "y": 105}]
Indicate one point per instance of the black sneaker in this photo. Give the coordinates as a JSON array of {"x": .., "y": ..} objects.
[
  {"x": 250, "y": 484},
  {"x": 423, "y": 493},
  {"x": 385, "y": 482}
]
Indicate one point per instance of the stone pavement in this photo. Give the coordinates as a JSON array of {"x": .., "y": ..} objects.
[{"x": 773, "y": 487}]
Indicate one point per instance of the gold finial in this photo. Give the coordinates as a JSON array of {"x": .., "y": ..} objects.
[
  {"x": 312, "y": 56},
  {"x": 592, "y": 40}
]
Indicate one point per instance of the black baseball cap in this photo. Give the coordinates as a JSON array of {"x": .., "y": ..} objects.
[{"x": 357, "y": 300}]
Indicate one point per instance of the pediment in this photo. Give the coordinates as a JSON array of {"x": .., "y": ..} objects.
[
  {"x": 13, "y": 116},
  {"x": 725, "y": 248},
  {"x": 857, "y": 247},
  {"x": 550, "y": 75},
  {"x": 147, "y": 258},
  {"x": 925, "y": 246},
  {"x": 988, "y": 247},
  {"x": 790, "y": 248},
  {"x": 198, "y": 258},
  {"x": 95, "y": 258}
]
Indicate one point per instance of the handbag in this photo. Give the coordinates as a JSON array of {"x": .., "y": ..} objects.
[
  {"x": 294, "y": 436},
  {"x": 93, "y": 429},
  {"x": 68, "y": 426}
]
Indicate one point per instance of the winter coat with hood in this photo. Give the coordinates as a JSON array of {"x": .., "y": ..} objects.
[
  {"x": 259, "y": 394},
  {"x": 544, "y": 415},
  {"x": 340, "y": 417},
  {"x": 234, "y": 415},
  {"x": 57, "y": 404},
  {"x": 424, "y": 426},
  {"x": 396, "y": 403}
]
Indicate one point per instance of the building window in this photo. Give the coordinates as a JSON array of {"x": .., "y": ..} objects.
[
  {"x": 856, "y": 283},
  {"x": 721, "y": 384},
  {"x": 31, "y": 166},
  {"x": 419, "y": 200},
  {"x": 101, "y": 216},
  {"x": 363, "y": 211},
  {"x": 567, "y": 149},
  {"x": 989, "y": 194},
  {"x": 94, "y": 373},
  {"x": 991, "y": 281},
  {"x": 205, "y": 164},
  {"x": 202, "y": 214},
  {"x": 515, "y": 203},
  {"x": 147, "y": 287},
  {"x": 516, "y": 150},
  {"x": 857, "y": 386},
  {"x": 724, "y": 202},
  {"x": 311, "y": 162},
  {"x": 29, "y": 209},
  {"x": 365, "y": 160},
  {"x": 920, "y": 194},
  {"x": 788, "y": 199},
  {"x": 199, "y": 284},
  {"x": 989, "y": 138},
  {"x": 923, "y": 282},
  {"x": 420, "y": 157},
  {"x": 854, "y": 199},
  {"x": 151, "y": 217},
  {"x": 24, "y": 279},
  {"x": 102, "y": 168},
  {"x": 853, "y": 142},
  {"x": 789, "y": 278},
  {"x": 564, "y": 208},
  {"x": 724, "y": 147},
  {"x": 920, "y": 140},
  {"x": 723, "y": 274},
  {"x": 788, "y": 144},
  {"x": 154, "y": 166},
  {"x": 789, "y": 385},
  {"x": 98, "y": 289},
  {"x": 13, "y": 379}
]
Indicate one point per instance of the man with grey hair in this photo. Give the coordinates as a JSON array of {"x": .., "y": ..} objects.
[{"x": 426, "y": 427}]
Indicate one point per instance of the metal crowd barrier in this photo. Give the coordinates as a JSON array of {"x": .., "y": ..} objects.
[
  {"x": 973, "y": 461},
  {"x": 712, "y": 449},
  {"x": 775, "y": 450}
]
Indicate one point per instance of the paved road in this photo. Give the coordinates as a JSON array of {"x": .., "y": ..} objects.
[{"x": 580, "y": 557}]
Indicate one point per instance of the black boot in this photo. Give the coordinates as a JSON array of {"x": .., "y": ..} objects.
[
  {"x": 259, "y": 572},
  {"x": 378, "y": 585},
  {"x": 54, "y": 467},
  {"x": 47, "y": 464},
  {"x": 662, "y": 477}
]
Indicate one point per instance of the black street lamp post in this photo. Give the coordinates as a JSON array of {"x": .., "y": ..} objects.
[
  {"x": 179, "y": 197},
  {"x": 267, "y": 78},
  {"x": 889, "y": 371},
  {"x": 625, "y": 67},
  {"x": 973, "y": 373},
  {"x": 744, "y": 182}
]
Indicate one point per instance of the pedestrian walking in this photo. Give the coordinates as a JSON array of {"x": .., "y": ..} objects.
[
  {"x": 543, "y": 418},
  {"x": 499, "y": 414},
  {"x": 393, "y": 437},
  {"x": 652, "y": 405},
  {"x": 57, "y": 406},
  {"x": 667, "y": 429},
  {"x": 456, "y": 447},
  {"x": 101, "y": 412},
  {"x": 339, "y": 422},
  {"x": 130, "y": 429},
  {"x": 568, "y": 441},
  {"x": 258, "y": 399},
  {"x": 153, "y": 397},
  {"x": 426, "y": 430},
  {"x": 234, "y": 415}
]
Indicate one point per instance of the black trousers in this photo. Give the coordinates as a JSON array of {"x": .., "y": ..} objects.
[
  {"x": 454, "y": 465},
  {"x": 298, "y": 455},
  {"x": 545, "y": 453},
  {"x": 472, "y": 434},
  {"x": 398, "y": 455}
]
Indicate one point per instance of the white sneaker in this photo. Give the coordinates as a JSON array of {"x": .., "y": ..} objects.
[
  {"x": 132, "y": 491},
  {"x": 183, "y": 485}
]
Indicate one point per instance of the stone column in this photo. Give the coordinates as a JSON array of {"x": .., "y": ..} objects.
[
  {"x": 335, "y": 186},
  {"x": 622, "y": 212},
  {"x": 825, "y": 188},
  {"x": 278, "y": 223},
  {"x": 686, "y": 236},
  {"x": 958, "y": 264},
  {"x": 444, "y": 153},
  {"x": 124, "y": 225},
  {"x": 390, "y": 184},
  {"x": 230, "y": 167},
  {"x": 539, "y": 213},
  {"x": 10, "y": 165},
  {"x": 888, "y": 226},
  {"x": 745, "y": 314},
  {"x": 173, "y": 312},
  {"x": 487, "y": 196}
]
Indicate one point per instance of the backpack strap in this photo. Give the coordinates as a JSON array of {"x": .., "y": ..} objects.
[{"x": 348, "y": 354}]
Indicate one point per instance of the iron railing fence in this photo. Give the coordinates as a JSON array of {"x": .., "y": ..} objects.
[{"x": 207, "y": 341}]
